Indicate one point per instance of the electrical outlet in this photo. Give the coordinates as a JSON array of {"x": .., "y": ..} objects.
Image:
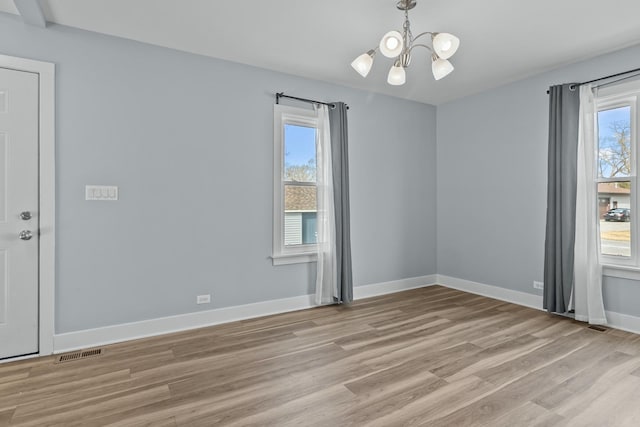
[
  {"x": 203, "y": 299},
  {"x": 538, "y": 285}
]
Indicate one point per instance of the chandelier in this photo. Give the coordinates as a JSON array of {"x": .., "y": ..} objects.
[{"x": 399, "y": 47}]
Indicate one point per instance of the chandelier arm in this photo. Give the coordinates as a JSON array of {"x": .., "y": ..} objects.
[
  {"x": 420, "y": 45},
  {"x": 420, "y": 35}
]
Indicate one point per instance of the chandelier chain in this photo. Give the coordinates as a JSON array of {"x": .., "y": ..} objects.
[{"x": 405, "y": 56}]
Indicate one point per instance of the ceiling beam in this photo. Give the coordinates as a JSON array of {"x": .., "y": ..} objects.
[{"x": 31, "y": 12}]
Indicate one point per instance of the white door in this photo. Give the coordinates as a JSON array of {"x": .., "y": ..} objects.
[{"x": 18, "y": 213}]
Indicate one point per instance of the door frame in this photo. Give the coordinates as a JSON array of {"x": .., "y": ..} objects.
[{"x": 47, "y": 200}]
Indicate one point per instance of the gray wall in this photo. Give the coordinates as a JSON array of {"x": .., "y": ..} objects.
[
  {"x": 492, "y": 160},
  {"x": 188, "y": 140}
]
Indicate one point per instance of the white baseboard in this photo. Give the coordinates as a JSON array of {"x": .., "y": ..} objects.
[
  {"x": 503, "y": 294},
  {"x": 182, "y": 322},
  {"x": 624, "y": 322},
  {"x": 147, "y": 328},
  {"x": 368, "y": 291},
  {"x": 615, "y": 320},
  {"x": 129, "y": 331}
]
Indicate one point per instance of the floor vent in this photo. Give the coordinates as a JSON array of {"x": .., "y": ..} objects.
[
  {"x": 78, "y": 355},
  {"x": 598, "y": 328}
]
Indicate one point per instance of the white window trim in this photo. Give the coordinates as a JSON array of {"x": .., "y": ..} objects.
[
  {"x": 615, "y": 97},
  {"x": 282, "y": 115},
  {"x": 621, "y": 271}
]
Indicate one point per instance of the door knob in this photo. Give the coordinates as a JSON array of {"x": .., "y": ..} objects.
[
  {"x": 25, "y": 235},
  {"x": 26, "y": 215}
]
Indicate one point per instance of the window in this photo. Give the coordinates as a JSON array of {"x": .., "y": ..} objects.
[
  {"x": 294, "y": 206},
  {"x": 616, "y": 180}
]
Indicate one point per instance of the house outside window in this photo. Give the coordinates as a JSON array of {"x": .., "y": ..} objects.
[
  {"x": 296, "y": 136},
  {"x": 300, "y": 211},
  {"x": 618, "y": 201}
]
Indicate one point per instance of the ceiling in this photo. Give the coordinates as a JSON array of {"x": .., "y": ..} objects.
[{"x": 501, "y": 40}]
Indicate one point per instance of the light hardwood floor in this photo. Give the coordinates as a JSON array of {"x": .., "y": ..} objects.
[{"x": 431, "y": 356}]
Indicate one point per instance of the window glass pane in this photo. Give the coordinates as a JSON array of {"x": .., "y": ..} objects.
[
  {"x": 309, "y": 231},
  {"x": 299, "y": 185},
  {"x": 614, "y": 202},
  {"x": 614, "y": 136},
  {"x": 299, "y": 214},
  {"x": 299, "y": 153}
]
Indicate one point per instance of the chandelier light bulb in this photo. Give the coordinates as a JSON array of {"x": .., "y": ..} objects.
[
  {"x": 397, "y": 76},
  {"x": 363, "y": 63},
  {"x": 445, "y": 45},
  {"x": 391, "y": 44},
  {"x": 441, "y": 68}
]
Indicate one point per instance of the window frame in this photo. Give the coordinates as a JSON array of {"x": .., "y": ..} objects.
[
  {"x": 606, "y": 99},
  {"x": 286, "y": 115}
]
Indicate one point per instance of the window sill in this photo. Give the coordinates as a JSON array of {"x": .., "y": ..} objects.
[
  {"x": 299, "y": 258},
  {"x": 621, "y": 271}
]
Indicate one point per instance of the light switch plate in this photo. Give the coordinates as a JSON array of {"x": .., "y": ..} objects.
[{"x": 101, "y": 192}]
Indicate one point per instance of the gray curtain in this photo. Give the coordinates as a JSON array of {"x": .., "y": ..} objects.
[
  {"x": 564, "y": 106},
  {"x": 340, "y": 163}
]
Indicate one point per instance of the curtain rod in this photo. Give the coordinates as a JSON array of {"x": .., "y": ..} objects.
[
  {"x": 311, "y": 101},
  {"x": 635, "y": 70},
  {"x": 611, "y": 76}
]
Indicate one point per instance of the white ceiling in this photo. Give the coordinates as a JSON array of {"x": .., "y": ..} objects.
[{"x": 501, "y": 40}]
